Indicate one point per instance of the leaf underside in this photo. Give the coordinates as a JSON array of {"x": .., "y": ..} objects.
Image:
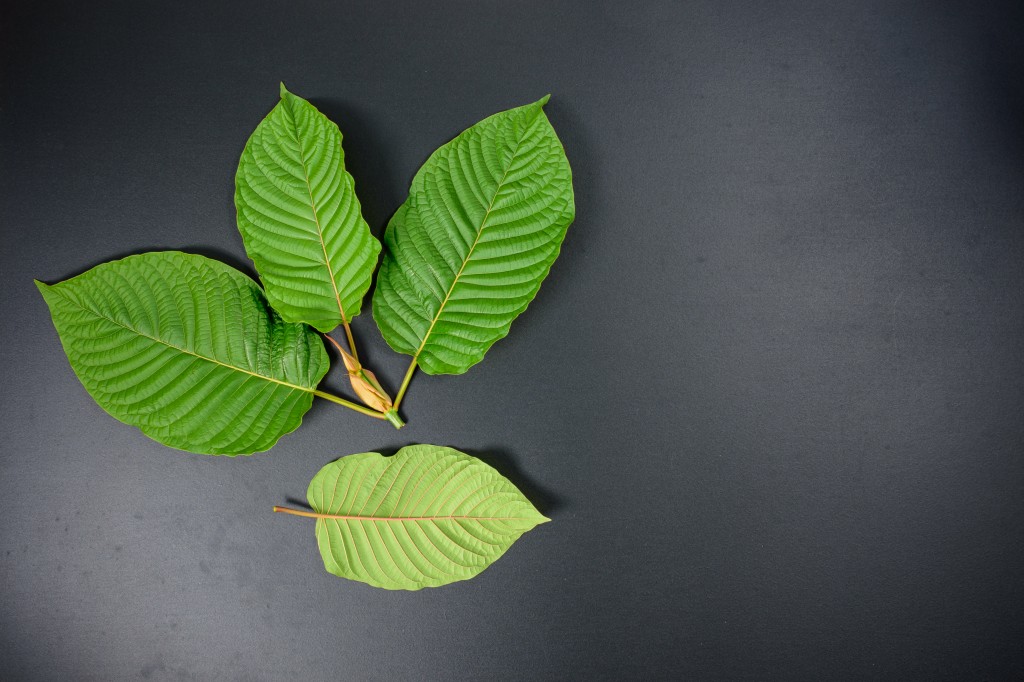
[
  {"x": 425, "y": 517},
  {"x": 187, "y": 349},
  {"x": 300, "y": 219},
  {"x": 468, "y": 250}
]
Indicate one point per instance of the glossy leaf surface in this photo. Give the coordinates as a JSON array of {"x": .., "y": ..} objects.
[
  {"x": 187, "y": 349},
  {"x": 425, "y": 517},
  {"x": 300, "y": 219},
  {"x": 467, "y": 252}
]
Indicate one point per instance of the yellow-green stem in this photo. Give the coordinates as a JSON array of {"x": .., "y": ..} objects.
[
  {"x": 405, "y": 384},
  {"x": 352, "y": 406},
  {"x": 351, "y": 342}
]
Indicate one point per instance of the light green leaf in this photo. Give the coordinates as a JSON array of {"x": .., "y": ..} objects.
[
  {"x": 468, "y": 250},
  {"x": 427, "y": 516},
  {"x": 187, "y": 349},
  {"x": 300, "y": 219}
]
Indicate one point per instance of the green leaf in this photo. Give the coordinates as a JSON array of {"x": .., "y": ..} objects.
[
  {"x": 187, "y": 349},
  {"x": 468, "y": 250},
  {"x": 427, "y": 516},
  {"x": 300, "y": 219}
]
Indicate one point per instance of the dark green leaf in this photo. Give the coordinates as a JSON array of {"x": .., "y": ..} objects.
[
  {"x": 187, "y": 349},
  {"x": 468, "y": 250}
]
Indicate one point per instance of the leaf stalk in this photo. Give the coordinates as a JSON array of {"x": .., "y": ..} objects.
[
  {"x": 351, "y": 341},
  {"x": 352, "y": 406},
  {"x": 405, "y": 384},
  {"x": 298, "y": 512},
  {"x": 392, "y": 416}
]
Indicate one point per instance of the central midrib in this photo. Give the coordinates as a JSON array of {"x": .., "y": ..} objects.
[
  {"x": 480, "y": 232},
  {"x": 188, "y": 352},
  {"x": 338, "y": 517},
  {"x": 316, "y": 220}
]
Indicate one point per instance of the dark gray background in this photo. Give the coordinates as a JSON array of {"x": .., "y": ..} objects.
[{"x": 771, "y": 393}]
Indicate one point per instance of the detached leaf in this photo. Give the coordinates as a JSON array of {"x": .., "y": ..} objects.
[
  {"x": 300, "y": 219},
  {"x": 426, "y": 517},
  {"x": 187, "y": 349},
  {"x": 468, "y": 250}
]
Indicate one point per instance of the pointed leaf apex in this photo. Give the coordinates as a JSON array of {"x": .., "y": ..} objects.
[
  {"x": 47, "y": 290},
  {"x": 284, "y": 90},
  {"x": 544, "y": 100}
]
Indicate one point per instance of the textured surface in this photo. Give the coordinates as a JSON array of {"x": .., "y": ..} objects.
[
  {"x": 300, "y": 218},
  {"x": 469, "y": 248},
  {"x": 186, "y": 349},
  {"x": 425, "y": 517},
  {"x": 770, "y": 394}
]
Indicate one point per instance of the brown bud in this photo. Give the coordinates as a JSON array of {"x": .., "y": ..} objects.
[{"x": 364, "y": 383}]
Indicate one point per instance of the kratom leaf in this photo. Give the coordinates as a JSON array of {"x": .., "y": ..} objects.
[
  {"x": 468, "y": 250},
  {"x": 425, "y": 517},
  {"x": 300, "y": 218},
  {"x": 187, "y": 349}
]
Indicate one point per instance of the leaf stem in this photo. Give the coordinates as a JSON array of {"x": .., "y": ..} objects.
[
  {"x": 297, "y": 512},
  {"x": 351, "y": 341},
  {"x": 352, "y": 406},
  {"x": 392, "y": 416},
  {"x": 405, "y": 384}
]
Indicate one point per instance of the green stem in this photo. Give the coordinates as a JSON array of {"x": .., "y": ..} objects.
[
  {"x": 352, "y": 406},
  {"x": 351, "y": 342},
  {"x": 392, "y": 416},
  {"x": 405, "y": 384}
]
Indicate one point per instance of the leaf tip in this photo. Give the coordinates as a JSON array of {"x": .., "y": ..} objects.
[
  {"x": 544, "y": 100},
  {"x": 44, "y": 289},
  {"x": 284, "y": 90}
]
